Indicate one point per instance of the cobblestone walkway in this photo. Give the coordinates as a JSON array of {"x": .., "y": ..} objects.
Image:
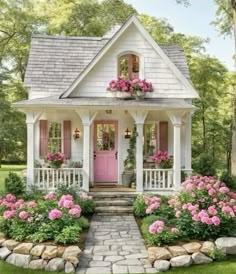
[{"x": 114, "y": 245}]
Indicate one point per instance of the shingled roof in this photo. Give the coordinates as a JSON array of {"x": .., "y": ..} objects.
[{"x": 55, "y": 61}]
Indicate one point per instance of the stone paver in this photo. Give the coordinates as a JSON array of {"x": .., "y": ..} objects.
[{"x": 114, "y": 245}]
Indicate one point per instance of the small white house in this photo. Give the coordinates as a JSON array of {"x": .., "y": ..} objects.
[{"x": 68, "y": 109}]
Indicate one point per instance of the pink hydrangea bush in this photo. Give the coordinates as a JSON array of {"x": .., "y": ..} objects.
[
  {"x": 157, "y": 232},
  {"x": 52, "y": 217},
  {"x": 163, "y": 159},
  {"x": 205, "y": 208}
]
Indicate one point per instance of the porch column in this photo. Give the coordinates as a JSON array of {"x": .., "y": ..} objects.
[
  {"x": 87, "y": 118},
  {"x": 139, "y": 117},
  {"x": 31, "y": 119},
  {"x": 188, "y": 142},
  {"x": 175, "y": 118}
]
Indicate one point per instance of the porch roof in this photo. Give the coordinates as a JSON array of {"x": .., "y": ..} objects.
[{"x": 100, "y": 103}]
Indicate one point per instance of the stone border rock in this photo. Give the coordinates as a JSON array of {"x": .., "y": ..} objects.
[
  {"x": 163, "y": 258},
  {"x": 40, "y": 256}
]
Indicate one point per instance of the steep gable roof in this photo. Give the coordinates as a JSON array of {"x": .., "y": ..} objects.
[{"x": 147, "y": 36}]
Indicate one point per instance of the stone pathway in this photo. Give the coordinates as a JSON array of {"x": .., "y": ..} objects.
[{"x": 114, "y": 245}]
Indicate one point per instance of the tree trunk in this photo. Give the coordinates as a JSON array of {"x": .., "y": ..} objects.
[{"x": 233, "y": 152}]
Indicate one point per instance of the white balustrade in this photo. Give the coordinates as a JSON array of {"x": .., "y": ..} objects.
[
  {"x": 50, "y": 179},
  {"x": 158, "y": 179}
]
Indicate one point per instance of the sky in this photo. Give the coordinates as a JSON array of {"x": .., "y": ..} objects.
[{"x": 193, "y": 20}]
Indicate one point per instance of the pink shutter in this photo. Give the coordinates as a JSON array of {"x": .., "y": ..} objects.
[
  {"x": 43, "y": 138},
  {"x": 67, "y": 138},
  {"x": 163, "y": 141}
]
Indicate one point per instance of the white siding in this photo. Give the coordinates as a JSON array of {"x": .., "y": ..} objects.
[{"x": 155, "y": 70}]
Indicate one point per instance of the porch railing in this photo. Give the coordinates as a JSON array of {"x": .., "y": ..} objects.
[
  {"x": 158, "y": 179},
  {"x": 50, "y": 179}
]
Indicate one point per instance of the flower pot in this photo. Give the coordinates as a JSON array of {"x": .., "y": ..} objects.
[
  {"x": 55, "y": 164},
  {"x": 127, "y": 177},
  {"x": 123, "y": 94},
  {"x": 111, "y": 94},
  {"x": 140, "y": 95}
]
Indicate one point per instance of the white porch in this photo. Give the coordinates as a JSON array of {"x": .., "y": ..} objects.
[{"x": 178, "y": 117}]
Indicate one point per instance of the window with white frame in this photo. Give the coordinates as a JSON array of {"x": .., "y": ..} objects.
[
  {"x": 54, "y": 137},
  {"x": 128, "y": 66}
]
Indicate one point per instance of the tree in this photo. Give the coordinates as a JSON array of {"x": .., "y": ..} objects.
[{"x": 226, "y": 22}]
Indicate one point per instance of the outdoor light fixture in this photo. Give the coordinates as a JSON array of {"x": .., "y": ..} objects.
[
  {"x": 76, "y": 134},
  {"x": 127, "y": 134}
]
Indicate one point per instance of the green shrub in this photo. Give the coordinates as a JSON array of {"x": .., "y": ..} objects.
[
  {"x": 165, "y": 236},
  {"x": 139, "y": 206},
  {"x": 14, "y": 184},
  {"x": 217, "y": 254},
  {"x": 69, "y": 234},
  {"x": 205, "y": 165},
  {"x": 229, "y": 180}
]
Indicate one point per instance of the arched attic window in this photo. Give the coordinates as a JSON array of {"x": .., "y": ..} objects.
[{"x": 128, "y": 66}]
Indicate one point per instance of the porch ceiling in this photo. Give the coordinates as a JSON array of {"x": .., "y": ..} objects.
[{"x": 100, "y": 103}]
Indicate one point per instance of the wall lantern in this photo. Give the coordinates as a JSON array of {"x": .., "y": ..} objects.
[
  {"x": 76, "y": 134},
  {"x": 127, "y": 134}
]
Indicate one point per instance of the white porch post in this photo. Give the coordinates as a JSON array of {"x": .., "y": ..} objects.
[
  {"x": 139, "y": 117},
  {"x": 87, "y": 118},
  {"x": 188, "y": 142},
  {"x": 175, "y": 118},
  {"x": 31, "y": 119}
]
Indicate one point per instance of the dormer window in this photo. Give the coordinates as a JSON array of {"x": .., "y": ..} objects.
[{"x": 128, "y": 66}]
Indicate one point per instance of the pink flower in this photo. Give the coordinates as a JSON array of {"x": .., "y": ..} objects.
[
  {"x": 68, "y": 204},
  {"x": 10, "y": 198},
  {"x": 212, "y": 210},
  {"x": 177, "y": 214},
  {"x": 8, "y": 214},
  {"x": 54, "y": 214},
  {"x": 23, "y": 215},
  {"x": 31, "y": 204},
  {"x": 50, "y": 196},
  {"x": 30, "y": 219},
  {"x": 211, "y": 191},
  {"x": 174, "y": 230},
  {"x": 224, "y": 189},
  {"x": 156, "y": 227},
  {"x": 215, "y": 220},
  {"x": 196, "y": 218},
  {"x": 75, "y": 211}
]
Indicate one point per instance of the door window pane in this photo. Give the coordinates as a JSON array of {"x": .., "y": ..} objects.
[
  {"x": 105, "y": 137},
  {"x": 150, "y": 140}
]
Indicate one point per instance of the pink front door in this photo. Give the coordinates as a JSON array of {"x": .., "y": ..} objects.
[{"x": 105, "y": 151}]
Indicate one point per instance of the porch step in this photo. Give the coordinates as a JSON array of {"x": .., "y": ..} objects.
[
  {"x": 113, "y": 202},
  {"x": 114, "y": 209},
  {"x": 112, "y": 195}
]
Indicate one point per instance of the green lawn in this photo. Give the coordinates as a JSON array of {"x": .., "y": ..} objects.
[{"x": 5, "y": 169}]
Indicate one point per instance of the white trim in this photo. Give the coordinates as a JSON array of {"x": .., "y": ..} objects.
[{"x": 146, "y": 35}]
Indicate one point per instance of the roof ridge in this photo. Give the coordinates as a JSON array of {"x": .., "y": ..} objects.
[{"x": 46, "y": 36}]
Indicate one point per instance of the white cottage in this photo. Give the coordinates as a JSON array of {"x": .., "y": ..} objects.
[{"x": 68, "y": 109}]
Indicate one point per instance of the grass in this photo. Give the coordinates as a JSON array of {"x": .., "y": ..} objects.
[
  {"x": 10, "y": 269},
  {"x": 4, "y": 171},
  {"x": 225, "y": 267}
]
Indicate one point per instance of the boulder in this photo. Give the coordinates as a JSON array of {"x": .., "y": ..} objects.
[
  {"x": 2, "y": 236},
  {"x": 69, "y": 268},
  {"x": 158, "y": 253},
  {"x": 55, "y": 264},
  {"x": 71, "y": 254},
  {"x": 227, "y": 244},
  {"x": 23, "y": 248},
  {"x": 60, "y": 251},
  {"x": 177, "y": 250},
  {"x": 184, "y": 260},
  {"x": 200, "y": 258},
  {"x": 207, "y": 247},
  {"x": 192, "y": 247},
  {"x": 4, "y": 252},
  {"x": 10, "y": 244},
  {"x": 38, "y": 264},
  {"x": 2, "y": 241},
  {"x": 162, "y": 265},
  {"x": 50, "y": 252},
  {"x": 19, "y": 260},
  {"x": 37, "y": 250}
]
